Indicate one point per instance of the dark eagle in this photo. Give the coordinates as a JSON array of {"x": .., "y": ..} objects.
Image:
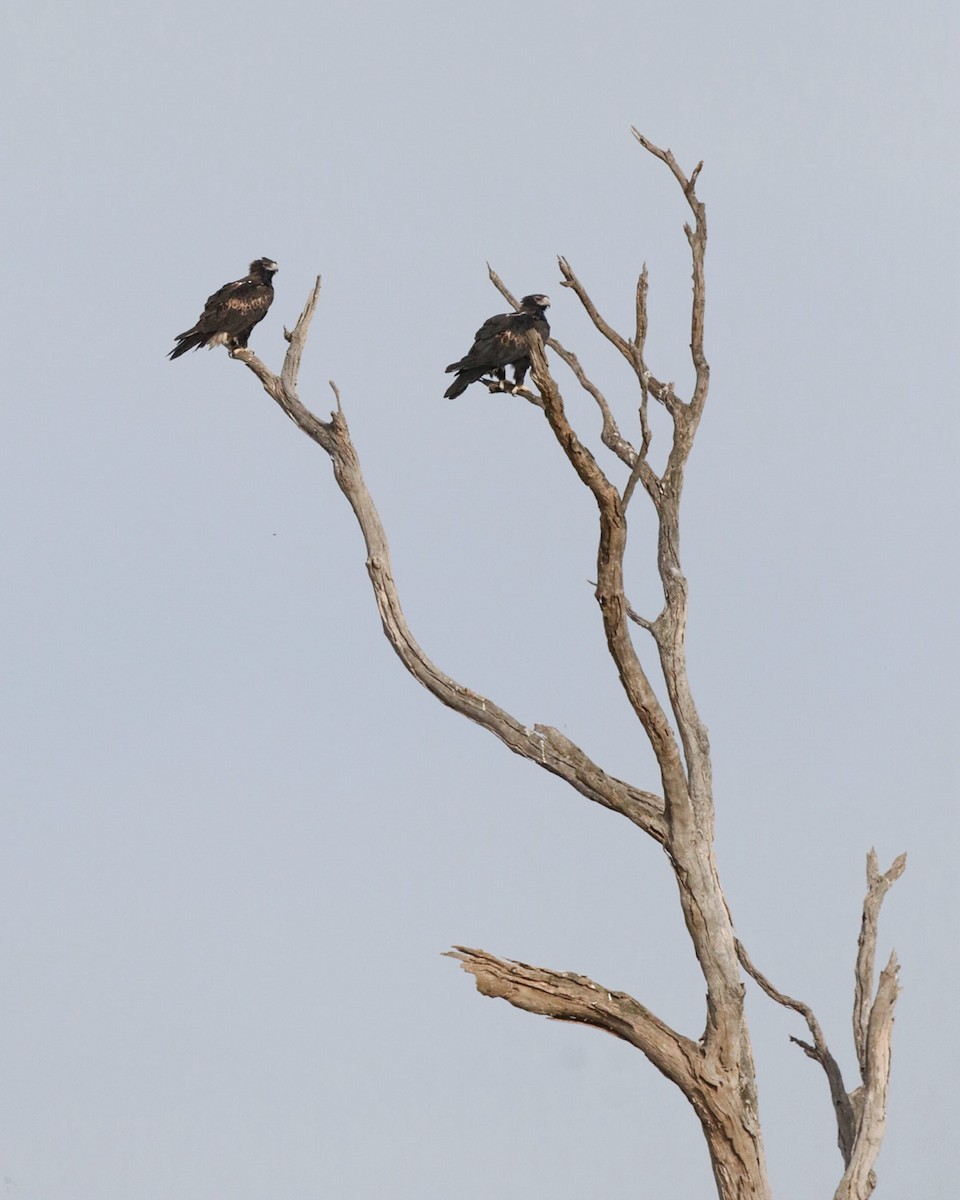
[
  {"x": 230, "y": 314},
  {"x": 501, "y": 342}
]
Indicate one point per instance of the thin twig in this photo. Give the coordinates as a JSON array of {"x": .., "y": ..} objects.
[
  {"x": 819, "y": 1051},
  {"x": 620, "y": 343},
  {"x": 661, "y": 392},
  {"x": 697, "y": 237},
  {"x": 638, "y": 620}
]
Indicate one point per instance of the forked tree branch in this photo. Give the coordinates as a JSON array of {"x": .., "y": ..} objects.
[
  {"x": 631, "y": 350},
  {"x": 669, "y": 629},
  {"x": 540, "y": 744},
  {"x": 819, "y": 1051},
  {"x": 859, "y": 1179},
  {"x": 686, "y": 779},
  {"x": 697, "y": 237},
  {"x": 610, "y": 588},
  {"x": 877, "y": 887},
  {"x": 861, "y": 1113},
  {"x": 873, "y": 1035}
]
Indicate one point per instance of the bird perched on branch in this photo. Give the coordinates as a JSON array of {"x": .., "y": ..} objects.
[
  {"x": 501, "y": 342},
  {"x": 231, "y": 313}
]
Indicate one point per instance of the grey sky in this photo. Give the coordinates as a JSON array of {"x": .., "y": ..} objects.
[{"x": 236, "y": 836}]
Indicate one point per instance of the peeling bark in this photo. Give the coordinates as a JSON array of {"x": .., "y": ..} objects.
[{"x": 564, "y": 996}]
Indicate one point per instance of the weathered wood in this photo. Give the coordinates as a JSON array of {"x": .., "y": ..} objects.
[{"x": 540, "y": 744}]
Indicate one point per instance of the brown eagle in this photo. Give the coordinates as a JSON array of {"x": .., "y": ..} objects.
[
  {"x": 231, "y": 313},
  {"x": 501, "y": 342}
]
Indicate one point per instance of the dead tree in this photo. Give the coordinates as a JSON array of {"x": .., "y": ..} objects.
[{"x": 715, "y": 1071}]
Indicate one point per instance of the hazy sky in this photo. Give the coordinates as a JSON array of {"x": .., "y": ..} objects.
[{"x": 236, "y": 836}]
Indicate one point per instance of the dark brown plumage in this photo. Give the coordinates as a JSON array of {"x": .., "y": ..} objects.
[
  {"x": 231, "y": 313},
  {"x": 501, "y": 342}
]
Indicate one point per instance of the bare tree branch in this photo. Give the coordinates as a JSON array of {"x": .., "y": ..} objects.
[
  {"x": 697, "y": 237},
  {"x": 610, "y": 433},
  {"x": 631, "y": 351},
  {"x": 541, "y": 744},
  {"x": 687, "y": 794},
  {"x": 640, "y": 341},
  {"x": 564, "y": 996},
  {"x": 686, "y": 780},
  {"x": 620, "y": 343},
  {"x": 861, "y": 1114},
  {"x": 569, "y": 997},
  {"x": 819, "y": 1051},
  {"x": 666, "y": 156},
  {"x": 859, "y": 1180},
  {"x": 638, "y": 620},
  {"x": 610, "y": 592},
  {"x": 872, "y": 1035},
  {"x": 641, "y": 470},
  {"x": 877, "y": 887},
  {"x": 670, "y": 627},
  {"x": 640, "y": 337}
]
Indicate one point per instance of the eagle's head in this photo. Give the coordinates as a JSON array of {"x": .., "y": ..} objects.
[
  {"x": 265, "y": 268},
  {"x": 534, "y": 303}
]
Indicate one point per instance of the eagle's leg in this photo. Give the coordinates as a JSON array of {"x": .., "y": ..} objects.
[{"x": 497, "y": 383}]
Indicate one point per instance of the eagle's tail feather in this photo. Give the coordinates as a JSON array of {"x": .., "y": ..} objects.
[
  {"x": 186, "y": 341},
  {"x": 460, "y": 385}
]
